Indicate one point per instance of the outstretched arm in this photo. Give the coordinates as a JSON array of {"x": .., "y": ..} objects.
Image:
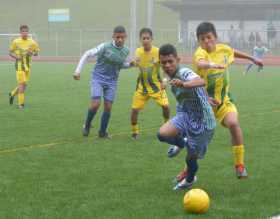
[
  {"x": 196, "y": 82},
  {"x": 204, "y": 64},
  {"x": 88, "y": 54},
  {"x": 242, "y": 55}
]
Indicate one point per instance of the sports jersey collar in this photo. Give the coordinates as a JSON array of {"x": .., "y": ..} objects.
[
  {"x": 176, "y": 72},
  {"x": 114, "y": 44}
]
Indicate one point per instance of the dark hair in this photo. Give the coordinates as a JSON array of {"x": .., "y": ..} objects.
[
  {"x": 119, "y": 29},
  {"x": 146, "y": 30},
  {"x": 205, "y": 27},
  {"x": 23, "y": 27},
  {"x": 167, "y": 49}
]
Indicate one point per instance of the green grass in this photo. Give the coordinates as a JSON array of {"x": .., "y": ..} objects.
[{"x": 48, "y": 170}]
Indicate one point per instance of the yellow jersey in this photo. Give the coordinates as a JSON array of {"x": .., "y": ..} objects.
[
  {"x": 21, "y": 47},
  {"x": 149, "y": 76},
  {"x": 217, "y": 80}
]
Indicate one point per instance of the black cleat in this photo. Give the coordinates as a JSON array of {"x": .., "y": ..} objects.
[
  {"x": 11, "y": 99},
  {"x": 104, "y": 135},
  {"x": 135, "y": 136},
  {"x": 86, "y": 130}
]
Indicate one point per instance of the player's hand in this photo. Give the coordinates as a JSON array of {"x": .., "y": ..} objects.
[
  {"x": 213, "y": 102},
  {"x": 177, "y": 83},
  {"x": 133, "y": 63},
  {"x": 258, "y": 62},
  {"x": 164, "y": 83},
  {"x": 76, "y": 76},
  {"x": 162, "y": 86}
]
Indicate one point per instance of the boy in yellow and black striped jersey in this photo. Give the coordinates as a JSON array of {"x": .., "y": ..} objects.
[
  {"x": 22, "y": 49},
  {"x": 149, "y": 83}
]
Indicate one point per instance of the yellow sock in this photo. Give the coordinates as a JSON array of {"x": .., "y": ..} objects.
[
  {"x": 135, "y": 129},
  {"x": 20, "y": 98},
  {"x": 238, "y": 153},
  {"x": 14, "y": 92}
]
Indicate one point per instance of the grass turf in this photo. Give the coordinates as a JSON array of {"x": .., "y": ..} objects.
[{"x": 48, "y": 170}]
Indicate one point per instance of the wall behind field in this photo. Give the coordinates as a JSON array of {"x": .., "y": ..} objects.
[{"x": 92, "y": 14}]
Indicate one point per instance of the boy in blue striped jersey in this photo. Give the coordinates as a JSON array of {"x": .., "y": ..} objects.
[
  {"x": 111, "y": 57},
  {"x": 194, "y": 123}
]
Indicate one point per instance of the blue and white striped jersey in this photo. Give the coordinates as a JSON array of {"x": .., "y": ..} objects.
[
  {"x": 194, "y": 102},
  {"x": 110, "y": 59}
]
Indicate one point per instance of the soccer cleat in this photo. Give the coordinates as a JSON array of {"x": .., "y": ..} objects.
[
  {"x": 11, "y": 99},
  {"x": 184, "y": 184},
  {"x": 21, "y": 106},
  {"x": 182, "y": 175},
  {"x": 173, "y": 151},
  {"x": 86, "y": 130},
  {"x": 104, "y": 135},
  {"x": 135, "y": 136},
  {"x": 241, "y": 171}
]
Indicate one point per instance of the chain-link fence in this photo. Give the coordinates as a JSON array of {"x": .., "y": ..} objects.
[{"x": 73, "y": 42}]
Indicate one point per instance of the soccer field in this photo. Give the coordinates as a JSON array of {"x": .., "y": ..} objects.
[{"x": 48, "y": 170}]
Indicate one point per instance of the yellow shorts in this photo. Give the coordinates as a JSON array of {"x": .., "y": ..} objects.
[
  {"x": 222, "y": 111},
  {"x": 23, "y": 76},
  {"x": 140, "y": 99}
]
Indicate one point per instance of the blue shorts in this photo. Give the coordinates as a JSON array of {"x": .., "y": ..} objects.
[
  {"x": 197, "y": 142},
  {"x": 105, "y": 89}
]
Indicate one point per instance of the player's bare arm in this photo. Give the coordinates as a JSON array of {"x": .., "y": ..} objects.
[
  {"x": 205, "y": 64},
  {"x": 242, "y": 55},
  {"x": 197, "y": 82}
]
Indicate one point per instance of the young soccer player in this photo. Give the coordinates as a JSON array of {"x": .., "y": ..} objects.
[
  {"x": 149, "y": 83},
  {"x": 258, "y": 52},
  {"x": 211, "y": 61},
  {"x": 194, "y": 123},
  {"x": 111, "y": 57},
  {"x": 22, "y": 49}
]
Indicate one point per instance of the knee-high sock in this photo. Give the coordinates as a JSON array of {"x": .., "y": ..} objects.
[
  {"x": 104, "y": 121},
  {"x": 135, "y": 129},
  {"x": 238, "y": 154},
  {"x": 14, "y": 92},
  {"x": 192, "y": 166},
  {"x": 20, "y": 98},
  {"x": 90, "y": 115},
  {"x": 249, "y": 67},
  {"x": 177, "y": 140}
]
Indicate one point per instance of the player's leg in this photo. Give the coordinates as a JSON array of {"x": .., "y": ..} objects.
[
  {"x": 109, "y": 92},
  {"x": 96, "y": 92},
  {"x": 138, "y": 103},
  {"x": 12, "y": 95},
  {"x": 248, "y": 69},
  {"x": 197, "y": 146},
  {"x": 172, "y": 133},
  {"x": 162, "y": 100},
  {"x": 231, "y": 122},
  {"x": 22, "y": 78},
  {"x": 14, "y": 92}
]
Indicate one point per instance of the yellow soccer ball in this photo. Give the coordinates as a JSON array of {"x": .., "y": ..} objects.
[{"x": 196, "y": 201}]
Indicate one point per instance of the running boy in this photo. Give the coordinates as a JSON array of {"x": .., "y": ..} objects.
[
  {"x": 194, "y": 123},
  {"x": 111, "y": 57}
]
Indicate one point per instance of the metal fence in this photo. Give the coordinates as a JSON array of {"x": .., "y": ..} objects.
[{"x": 73, "y": 42}]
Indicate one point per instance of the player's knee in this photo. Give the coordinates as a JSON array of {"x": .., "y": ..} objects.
[
  {"x": 160, "y": 136},
  {"x": 95, "y": 105},
  {"x": 233, "y": 125},
  {"x": 135, "y": 111}
]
